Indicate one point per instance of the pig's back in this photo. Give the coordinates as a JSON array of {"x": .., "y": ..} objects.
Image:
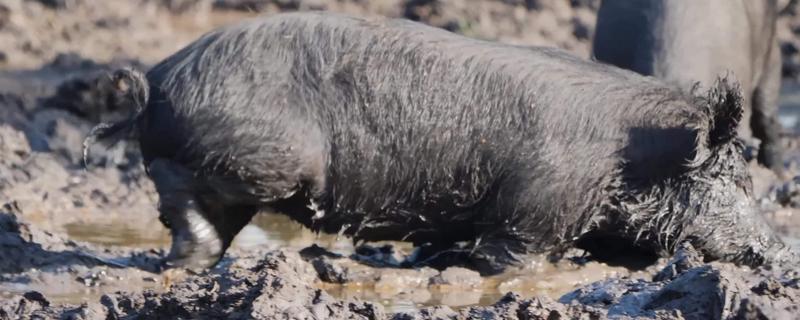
[{"x": 395, "y": 105}]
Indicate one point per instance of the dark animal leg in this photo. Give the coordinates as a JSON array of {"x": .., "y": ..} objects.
[
  {"x": 492, "y": 254},
  {"x": 489, "y": 256},
  {"x": 439, "y": 256},
  {"x": 764, "y": 120},
  {"x": 201, "y": 227}
]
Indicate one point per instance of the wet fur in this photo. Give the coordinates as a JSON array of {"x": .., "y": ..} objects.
[{"x": 392, "y": 130}]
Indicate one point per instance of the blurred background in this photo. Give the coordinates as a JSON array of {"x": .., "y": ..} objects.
[{"x": 83, "y": 35}]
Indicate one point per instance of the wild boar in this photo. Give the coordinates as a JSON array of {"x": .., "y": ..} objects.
[{"x": 475, "y": 151}]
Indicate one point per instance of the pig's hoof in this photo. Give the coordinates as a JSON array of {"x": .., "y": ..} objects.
[{"x": 195, "y": 244}]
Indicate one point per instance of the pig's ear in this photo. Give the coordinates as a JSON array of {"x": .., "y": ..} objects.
[{"x": 724, "y": 101}]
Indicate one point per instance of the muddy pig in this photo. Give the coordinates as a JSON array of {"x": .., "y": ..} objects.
[
  {"x": 688, "y": 41},
  {"x": 476, "y": 152}
]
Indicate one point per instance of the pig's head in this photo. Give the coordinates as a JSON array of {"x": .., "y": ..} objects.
[{"x": 692, "y": 184}]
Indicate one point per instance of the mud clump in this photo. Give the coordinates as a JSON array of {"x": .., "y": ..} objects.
[
  {"x": 271, "y": 288},
  {"x": 278, "y": 285},
  {"x": 271, "y": 285},
  {"x": 686, "y": 289},
  {"x": 15, "y": 148},
  {"x": 26, "y": 250},
  {"x": 18, "y": 250},
  {"x": 456, "y": 278}
]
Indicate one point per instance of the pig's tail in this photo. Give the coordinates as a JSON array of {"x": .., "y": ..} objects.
[{"x": 132, "y": 85}]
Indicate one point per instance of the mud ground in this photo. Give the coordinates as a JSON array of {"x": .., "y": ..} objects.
[{"x": 85, "y": 244}]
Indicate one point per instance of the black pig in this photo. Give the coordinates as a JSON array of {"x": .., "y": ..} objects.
[
  {"x": 393, "y": 130},
  {"x": 690, "y": 41}
]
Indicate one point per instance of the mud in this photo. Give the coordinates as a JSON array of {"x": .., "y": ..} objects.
[
  {"x": 279, "y": 285},
  {"x": 685, "y": 289},
  {"x": 86, "y": 244}
]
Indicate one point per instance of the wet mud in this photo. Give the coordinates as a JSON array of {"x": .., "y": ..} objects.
[
  {"x": 87, "y": 244},
  {"x": 284, "y": 284}
]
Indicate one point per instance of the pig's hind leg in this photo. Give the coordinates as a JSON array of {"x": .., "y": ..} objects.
[{"x": 202, "y": 224}]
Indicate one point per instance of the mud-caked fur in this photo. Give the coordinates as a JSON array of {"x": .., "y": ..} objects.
[
  {"x": 392, "y": 130},
  {"x": 688, "y": 41}
]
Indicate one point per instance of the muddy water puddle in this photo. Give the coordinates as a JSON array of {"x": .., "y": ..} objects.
[
  {"x": 546, "y": 280},
  {"x": 272, "y": 231},
  {"x": 117, "y": 234},
  {"x": 69, "y": 289}
]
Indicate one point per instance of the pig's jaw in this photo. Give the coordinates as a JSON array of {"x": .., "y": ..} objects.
[
  {"x": 709, "y": 205},
  {"x": 739, "y": 234},
  {"x": 729, "y": 229},
  {"x": 726, "y": 223}
]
